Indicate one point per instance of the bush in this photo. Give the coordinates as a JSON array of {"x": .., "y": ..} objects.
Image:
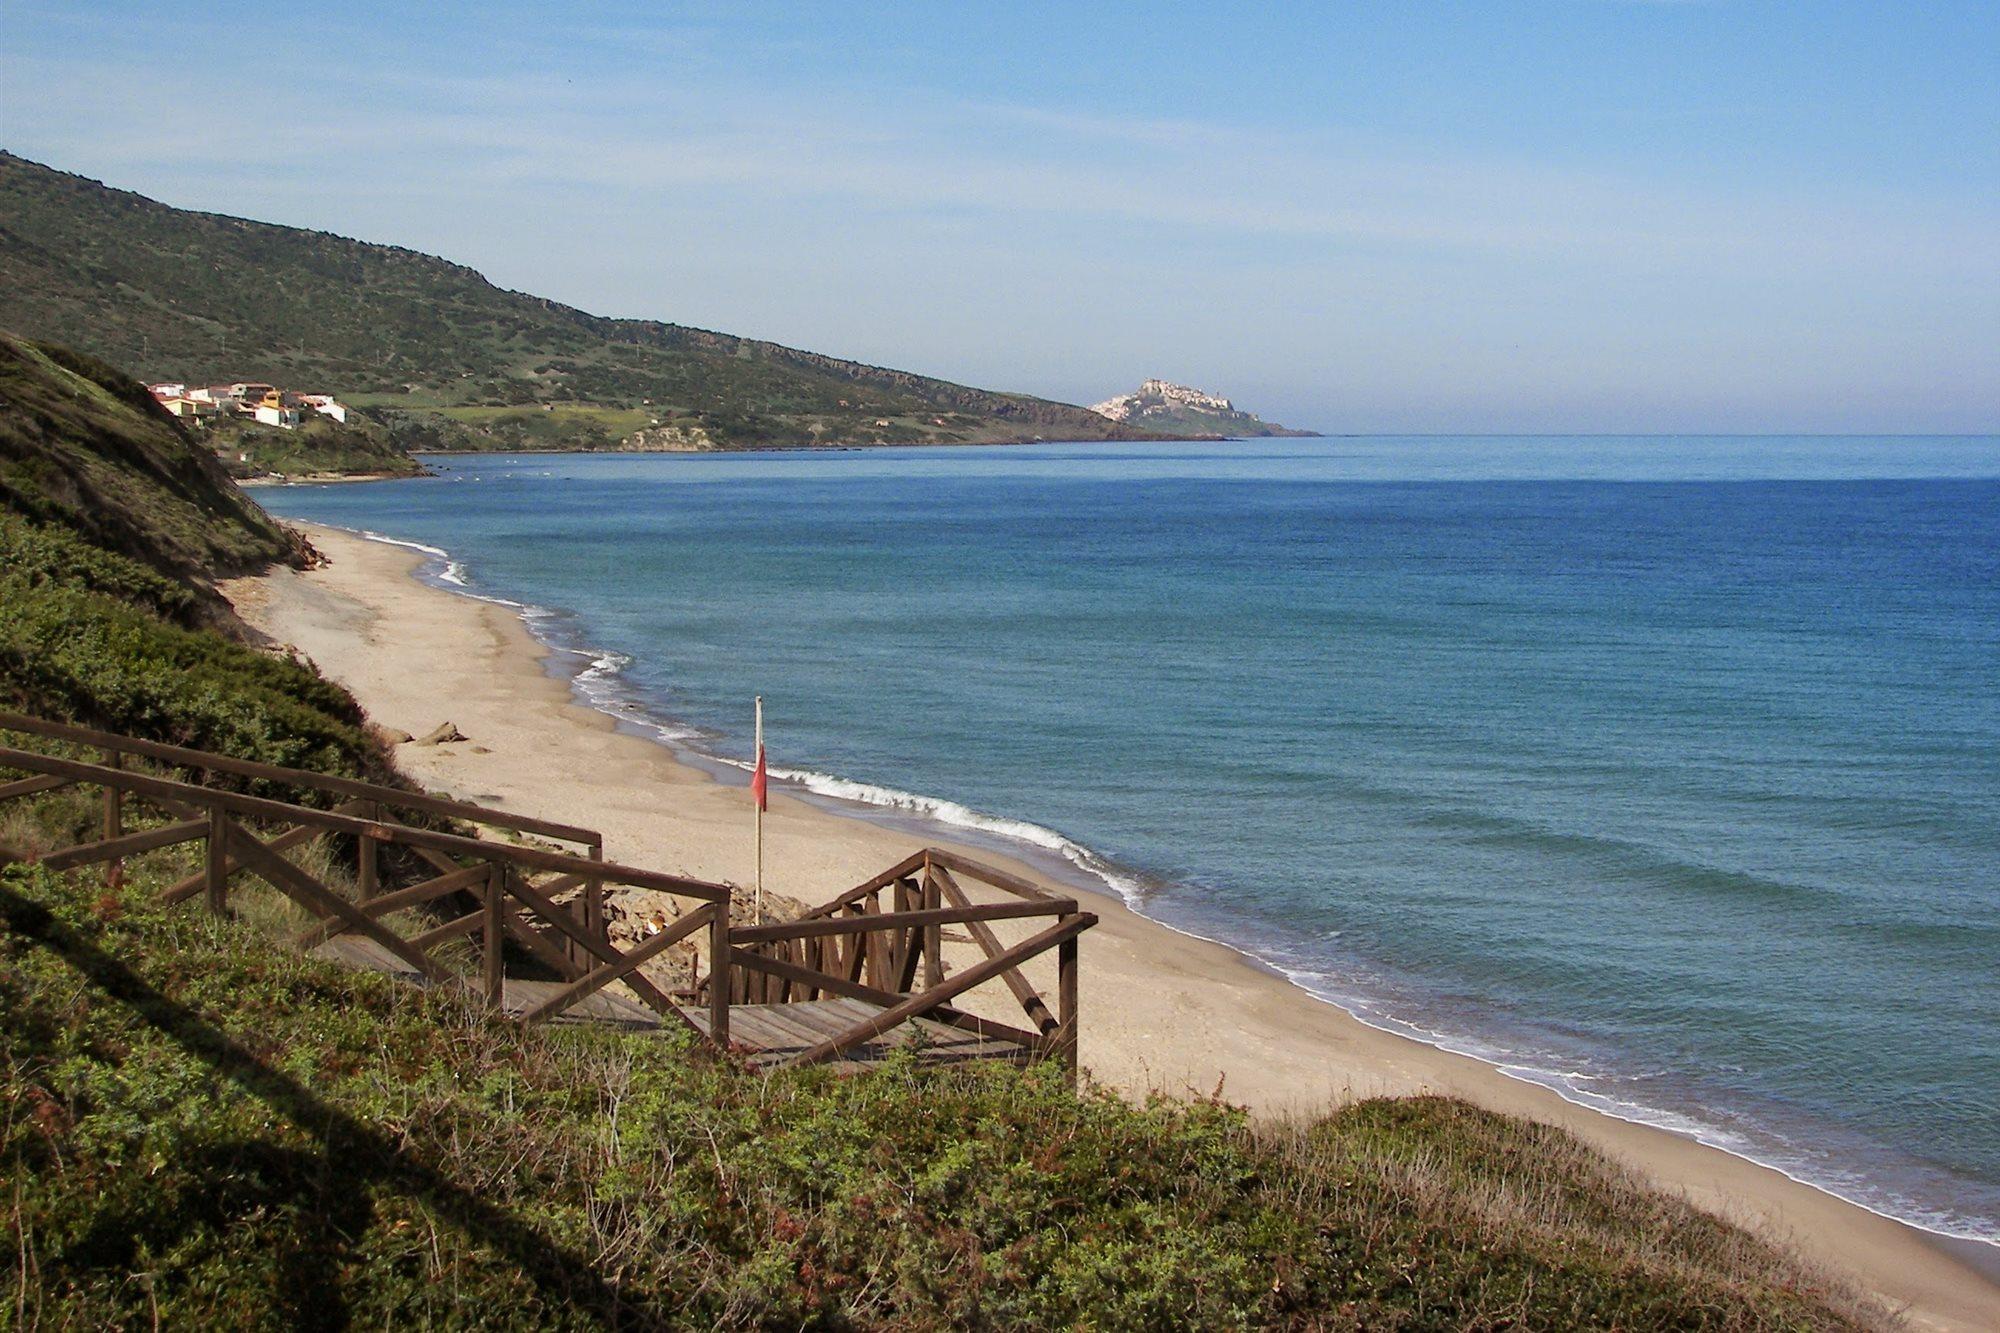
[{"x": 92, "y": 637}]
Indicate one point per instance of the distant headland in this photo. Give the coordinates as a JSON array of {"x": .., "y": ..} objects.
[{"x": 1164, "y": 408}]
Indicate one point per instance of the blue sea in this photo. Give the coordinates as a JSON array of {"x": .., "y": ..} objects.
[{"x": 1663, "y": 771}]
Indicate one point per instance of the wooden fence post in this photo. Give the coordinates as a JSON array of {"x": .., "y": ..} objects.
[
  {"x": 933, "y": 934},
  {"x": 367, "y": 873},
  {"x": 720, "y": 971},
  {"x": 114, "y": 820},
  {"x": 593, "y": 902},
  {"x": 493, "y": 969},
  {"x": 1066, "y": 997},
  {"x": 216, "y": 880}
]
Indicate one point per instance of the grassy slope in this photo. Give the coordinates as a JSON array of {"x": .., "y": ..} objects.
[
  {"x": 317, "y": 446},
  {"x": 85, "y": 448},
  {"x": 204, "y": 1129},
  {"x": 194, "y": 296},
  {"x": 112, "y": 523},
  {"x": 200, "y": 1128}
]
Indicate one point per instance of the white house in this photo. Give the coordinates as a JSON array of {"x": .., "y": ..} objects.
[
  {"x": 165, "y": 391},
  {"x": 324, "y": 404},
  {"x": 282, "y": 417}
]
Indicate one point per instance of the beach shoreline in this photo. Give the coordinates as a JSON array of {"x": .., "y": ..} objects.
[{"x": 1191, "y": 1016}]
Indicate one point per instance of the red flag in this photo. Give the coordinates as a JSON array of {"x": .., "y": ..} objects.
[{"x": 760, "y": 786}]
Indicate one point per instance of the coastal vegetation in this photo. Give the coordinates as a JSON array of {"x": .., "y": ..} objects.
[
  {"x": 174, "y": 294},
  {"x": 316, "y": 446},
  {"x": 86, "y": 449},
  {"x": 204, "y": 1127}
]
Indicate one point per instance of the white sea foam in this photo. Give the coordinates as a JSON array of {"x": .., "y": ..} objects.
[
  {"x": 956, "y": 815},
  {"x": 449, "y": 569}
]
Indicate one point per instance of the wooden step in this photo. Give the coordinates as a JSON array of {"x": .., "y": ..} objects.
[{"x": 770, "y": 1034}]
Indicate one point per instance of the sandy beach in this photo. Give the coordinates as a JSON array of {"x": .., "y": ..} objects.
[{"x": 1160, "y": 1010}]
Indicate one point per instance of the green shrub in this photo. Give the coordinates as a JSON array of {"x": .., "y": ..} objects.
[
  {"x": 43, "y": 556},
  {"x": 72, "y": 652}
]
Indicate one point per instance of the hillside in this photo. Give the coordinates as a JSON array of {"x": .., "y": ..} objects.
[
  {"x": 169, "y": 293},
  {"x": 205, "y": 1128},
  {"x": 85, "y": 449},
  {"x": 1160, "y": 407},
  {"x": 316, "y": 447},
  {"x": 113, "y": 528}
]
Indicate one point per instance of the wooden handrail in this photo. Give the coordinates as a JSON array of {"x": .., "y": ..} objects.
[
  {"x": 988, "y": 875},
  {"x": 919, "y": 860},
  {"x": 384, "y": 904},
  {"x": 600, "y": 977},
  {"x": 917, "y": 1005},
  {"x": 402, "y": 834},
  {"x": 1031, "y": 1001},
  {"x": 901, "y": 870},
  {"x": 832, "y": 985},
  {"x": 873, "y": 921},
  {"x": 326, "y": 782},
  {"x": 30, "y": 786}
]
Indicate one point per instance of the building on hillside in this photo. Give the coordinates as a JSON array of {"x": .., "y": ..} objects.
[
  {"x": 324, "y": 404},
  {"x": 191, "y": 409},
  {"x": 266, "y": 403}
]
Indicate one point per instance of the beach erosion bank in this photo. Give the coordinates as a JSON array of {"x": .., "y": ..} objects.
[{"x": 1161, "y": 1010}]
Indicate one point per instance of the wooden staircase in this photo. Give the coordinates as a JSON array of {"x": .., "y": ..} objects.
[{"x": 846, "y": 984}]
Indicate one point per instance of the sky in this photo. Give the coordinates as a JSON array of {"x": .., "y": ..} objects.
[{"x": 1562, "y": 216}]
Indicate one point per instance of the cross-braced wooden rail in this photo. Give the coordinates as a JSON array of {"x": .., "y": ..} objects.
[{"x": 842, "y": 984}]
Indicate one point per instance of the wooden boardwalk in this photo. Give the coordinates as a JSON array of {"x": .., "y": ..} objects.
[
  {"x": 859, "y": 976},
  {"x": 765, "y": 1035},
  {"x": 770, "y": 1035}
]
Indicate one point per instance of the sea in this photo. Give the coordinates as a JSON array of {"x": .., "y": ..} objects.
[{"x": 1662, "y": 771}]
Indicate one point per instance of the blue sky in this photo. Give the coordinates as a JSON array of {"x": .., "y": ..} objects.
[{"x": 1578, "y": 215}]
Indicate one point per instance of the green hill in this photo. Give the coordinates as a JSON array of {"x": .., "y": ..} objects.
[
  {"x": 198, "y": 297},
  {"x": 204, "y": 1128}
]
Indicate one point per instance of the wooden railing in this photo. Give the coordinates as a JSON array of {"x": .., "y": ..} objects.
[
  {"x": 857, "y": 947},
  {"x": 244, "y": 834},
  {"x": 881, "y": 942}
]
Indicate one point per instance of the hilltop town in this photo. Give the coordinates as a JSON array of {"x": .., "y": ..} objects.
[{"x": 1162, "y": 407}]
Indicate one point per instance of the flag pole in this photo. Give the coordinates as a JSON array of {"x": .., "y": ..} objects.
[{"x": 760, "y": 811}]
